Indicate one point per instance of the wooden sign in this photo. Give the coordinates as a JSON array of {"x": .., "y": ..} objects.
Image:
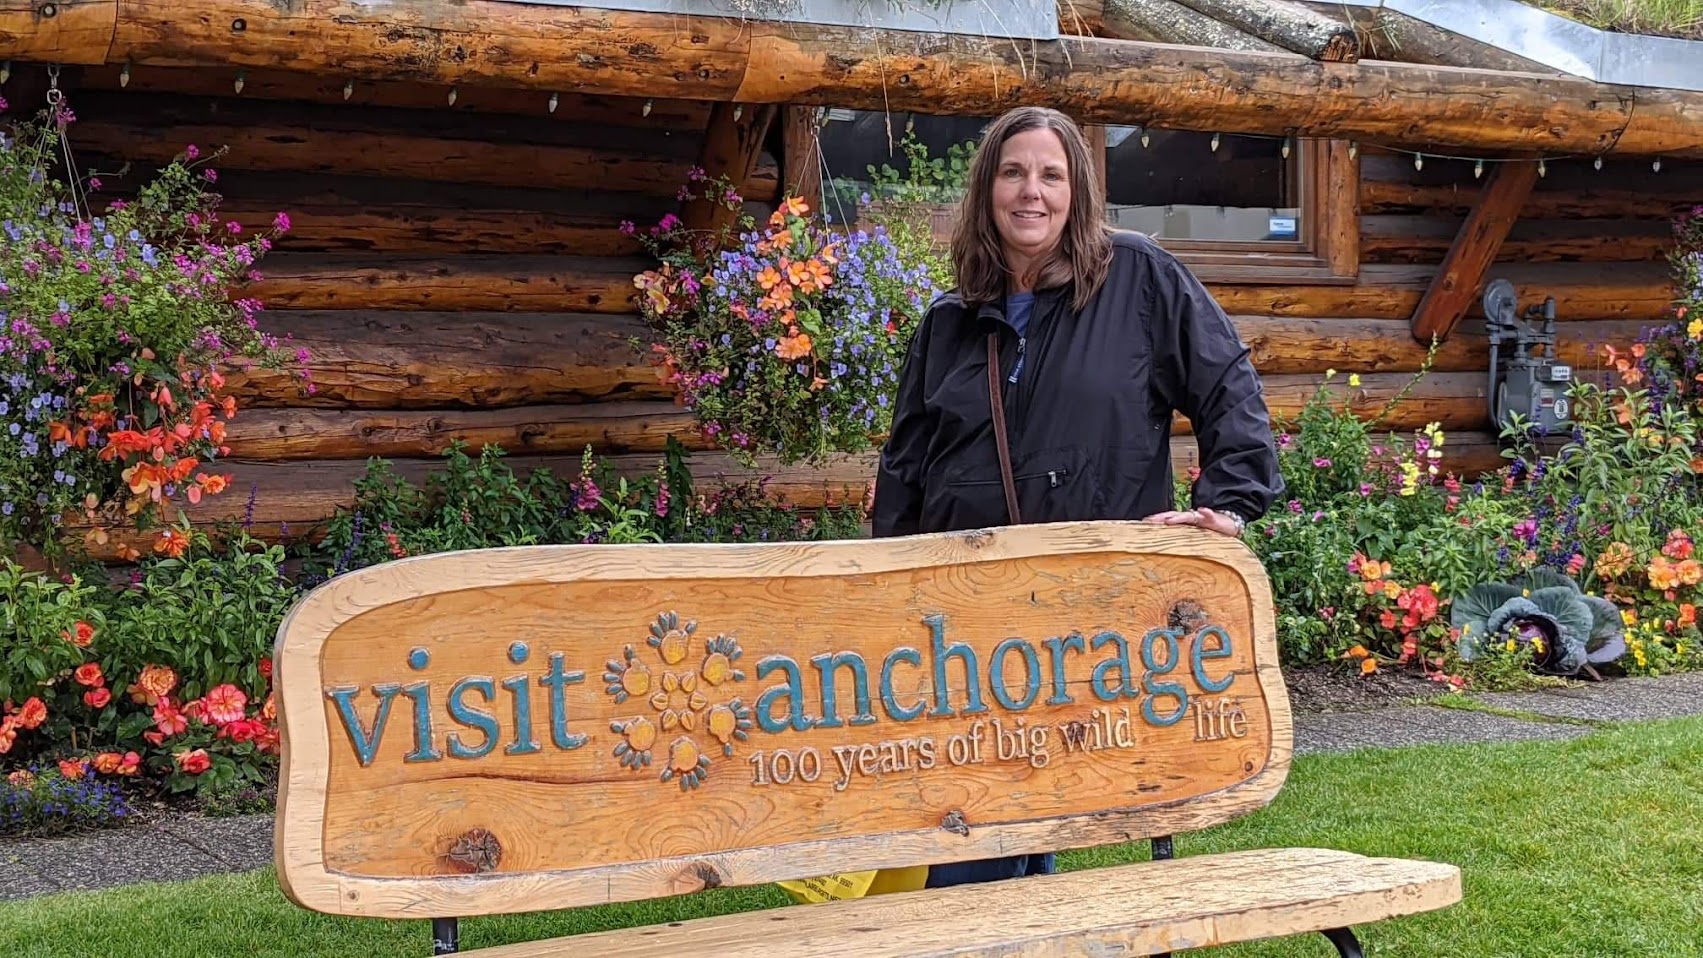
[{"x": 618, "y": 722}]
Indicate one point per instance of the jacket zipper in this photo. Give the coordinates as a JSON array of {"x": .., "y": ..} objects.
[
  {"x": 1018, "y": 368},
  {"x": 1055, "y": 478}
]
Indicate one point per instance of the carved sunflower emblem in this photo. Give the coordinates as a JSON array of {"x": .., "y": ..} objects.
[{"x": 682, "y": 698}]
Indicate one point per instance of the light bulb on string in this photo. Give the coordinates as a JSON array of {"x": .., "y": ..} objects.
[
  {"x": 1542, "y": 168},
  {"x": 5, "y": 71},
  {"x": 646, "y": 110},
  {"x": 1656, "y": 165},
  {"x": 242, "y": 79},
  {"x": 1597, "y": 163},
  {"x": 1419, "y": 161},
  {"x": 1215, "y": 138},
  {"x": 1146, "y": 138},
  {"x": 1478, "y": 169},
  {"x": 1288, "y": 144},
  {"x": 454, "y": 93},
  {"x": 1353, "y": 149},
  {"x": 555, "y": 100},
  {"x": 348, "y": 89},
  {"x": 124, "y": 75}
]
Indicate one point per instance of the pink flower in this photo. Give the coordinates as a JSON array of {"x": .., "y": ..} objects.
[
  {"x": 281, "y": 222},
  {"x": 211, "y": 174},
  {"x": 1321, "y": 463},
  {"x": 192, "y": 151},
  {"x": 224, "y": 704}
]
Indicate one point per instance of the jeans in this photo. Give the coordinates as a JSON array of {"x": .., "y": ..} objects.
[{"x": 989, "y": 869}]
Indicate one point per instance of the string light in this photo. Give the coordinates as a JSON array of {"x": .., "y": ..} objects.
[
  {"x": 555, "y": 101},
  {"x": 1419, "y": 161},
  {"x": 242, "y": 79},
  {"x": 1288, "y": 145},
  {"x": 1215, "y": 137},
  {"x": 1478, "y": 170},
  {"x": 124, "y": 75},
  {"x": 1353, "y": 149},
  {"x": 1542, "y": 168},
  {"x": 5, "y": 71},
  {"x": 1146, "y": 138},
  {"x": 646, "y": 110},
  {"x": 453, "y": 93},
  {"x": 348, "y": 89},
  {"x": 1656, "y": 165}
]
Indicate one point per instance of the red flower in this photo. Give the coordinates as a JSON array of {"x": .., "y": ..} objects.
[
  {"x": 97, "y": 698},
  {"x": 193, "y": 763},
  {"x": 32, "y": 714},
  {"x": 79, "y": 635},
  {"x": 89, "y": 673},
  {"x": 74, "y": 768}
]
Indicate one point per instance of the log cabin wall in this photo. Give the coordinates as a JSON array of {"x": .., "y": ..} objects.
[{"x": 457, "y": 271}]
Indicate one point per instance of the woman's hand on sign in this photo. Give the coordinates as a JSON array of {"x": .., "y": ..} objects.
[{"x": 1205, "y": 518}]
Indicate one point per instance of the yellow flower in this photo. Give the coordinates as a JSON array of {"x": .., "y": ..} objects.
[
  {"x": 1330, "y": 374},
  {"x": 1694, "y": 329},
  {"x": 1354, "y": 380}
]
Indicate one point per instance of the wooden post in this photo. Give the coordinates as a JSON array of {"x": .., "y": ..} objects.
[
  {"x": 732, "y": 145},
  {"x": 801, "y": 165},
  {"x": 1480, "y": 237}
]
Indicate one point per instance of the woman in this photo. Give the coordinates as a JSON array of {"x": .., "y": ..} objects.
[{"x": 1099, "y": 337}]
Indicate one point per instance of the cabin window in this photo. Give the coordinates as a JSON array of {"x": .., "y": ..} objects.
[
  {"x": 1243, "y": 212},
  {"x": 1253, "y": 209}
]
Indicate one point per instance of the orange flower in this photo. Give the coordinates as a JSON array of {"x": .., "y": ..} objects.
[
  {"x": 1687, "y": 614},
  {"x": 32, "y": 714},
  {"x": 79, "y": 635},
  {"x": 1663, "y": 575},
  {"x": 22, "y": 778},
  {"x": 172, "y": 543},
  {"x": 106, "y": 763},
  {"x": 1614, "y": 560},
  {"x": 1368, "y": 666},
  {"x": 213, "y": 484},
  {"x": 224, "y": 704},
  {"x": 89, "y": 673},
  {"x": 97, "y": 698},
  {"x": 1690, "y": 572},
  {"x": 8, "y": 733},
  {"x": 769, "y": 278},
  {"x": 73, "y": 768},
  {"x": 193, "y": 763},
  {"x": 153, "y": 685},
  {"x": 793, "y": 347},
  {"x": 269, "y": 711}
]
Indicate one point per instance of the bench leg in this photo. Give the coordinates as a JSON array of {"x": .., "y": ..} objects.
[
  {"x": 446, "y": 936},
  {"x": 1346, "y": 944}
]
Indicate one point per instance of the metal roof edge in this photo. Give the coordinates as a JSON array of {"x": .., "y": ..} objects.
[{"x": 1010, "y": 19}]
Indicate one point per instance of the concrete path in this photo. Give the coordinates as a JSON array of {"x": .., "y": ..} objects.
[{"x": 189, "y": 846}]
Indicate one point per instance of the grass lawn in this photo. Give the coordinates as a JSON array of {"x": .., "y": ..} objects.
[
  {"x": 1662, "y": 18},
  {"x": 1590, "y": 848}
]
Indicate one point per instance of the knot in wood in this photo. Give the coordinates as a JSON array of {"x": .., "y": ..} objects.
[
  {"x": 1187, "y": 615},
  {"x": 477, "y": 850},
  {"x": 239, "y": 25},
  {"x": 49, "y": 10},
  {"x": 954, "y": 822},
  {"x": 707, "y": 874}
]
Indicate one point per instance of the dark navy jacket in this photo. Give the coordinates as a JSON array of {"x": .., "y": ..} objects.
[{"x": 1089, "y": 417}]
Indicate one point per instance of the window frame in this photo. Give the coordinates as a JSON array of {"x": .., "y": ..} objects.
[{"x": 1328, "y": 250}]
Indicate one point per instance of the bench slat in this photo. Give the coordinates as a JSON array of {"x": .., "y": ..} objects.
[{"x": 1141, "y": 909}]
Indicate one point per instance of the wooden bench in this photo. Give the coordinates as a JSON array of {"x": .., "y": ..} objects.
[{"x": 549, "y": 727}]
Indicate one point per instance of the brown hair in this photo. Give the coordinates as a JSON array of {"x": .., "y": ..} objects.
[{"x": 1084, "y": 251}]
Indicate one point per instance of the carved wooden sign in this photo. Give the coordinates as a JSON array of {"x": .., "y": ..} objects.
[{"x": 617, "y": 722}]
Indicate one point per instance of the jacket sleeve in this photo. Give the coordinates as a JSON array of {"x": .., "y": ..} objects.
[
  {"x": 897, "y": 510},
  {"x": 1203, "y": 369}
]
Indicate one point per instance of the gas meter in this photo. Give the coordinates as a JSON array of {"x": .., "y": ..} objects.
[{"x": 1534, "y": 386}]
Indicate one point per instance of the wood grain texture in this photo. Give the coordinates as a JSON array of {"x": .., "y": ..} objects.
[
  {"x": 1300, "y": 347},
  {"x": 732, "y": 147},
  {"x": 1582, "y": 291},
  {"x": 618, "y": 427},
  {"x": 1142, "y": 909},
  {"x": 425, "y": 359},
  {"x": 1289, "y": 25},
  {"x": 589, "y": 284},
  {"x": 680, "y": 116},
  {"x": 1395, "y": 197},
  {"x": 1427, "y": 239},
  {"x": 1463, "y": 270},
  {"x": 494, "y": 150},
  {"x": 57, "y": 31},
  {"x": 801, "y": 165},
  {"x": 1170, "y": 21},
  {"x": 1455, "y": 400},
  {"x": 577, "y": 827},
  {"x": 1108, "y": 81}
]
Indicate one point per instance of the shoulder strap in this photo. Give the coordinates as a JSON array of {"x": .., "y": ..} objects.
[{"x": 996, "y": 397}]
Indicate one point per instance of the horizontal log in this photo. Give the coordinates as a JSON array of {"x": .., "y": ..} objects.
[
  {"x": 548, "y": 47},
  {"x": 591, "y": 284},
  {"x": 359, "y": 213},
  {"x": 680, "y": 116},
  {"x": 1456, "y": 400},
  {"x": 393, "y": 360},
  {"x": 620, "y": 427},
  {"x": 65, "y": 31},
  {"x": 405, "y": 144},
  {"x": 421, "y": 360},
  {"x": 1425, "y": 239},
  {"x": 1581, "y": 291},
  {"x": 1170, "y": 21},
  {"x": 1281, "y": 345},
  {"x": 1289, "y": 25},
  {"x": 1390, "y": 198}
]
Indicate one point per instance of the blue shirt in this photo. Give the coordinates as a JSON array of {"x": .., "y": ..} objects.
[{"x": 1018, "y": 308}]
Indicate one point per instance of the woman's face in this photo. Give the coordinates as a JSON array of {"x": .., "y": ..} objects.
[{"x": 1031, "y": 193}]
